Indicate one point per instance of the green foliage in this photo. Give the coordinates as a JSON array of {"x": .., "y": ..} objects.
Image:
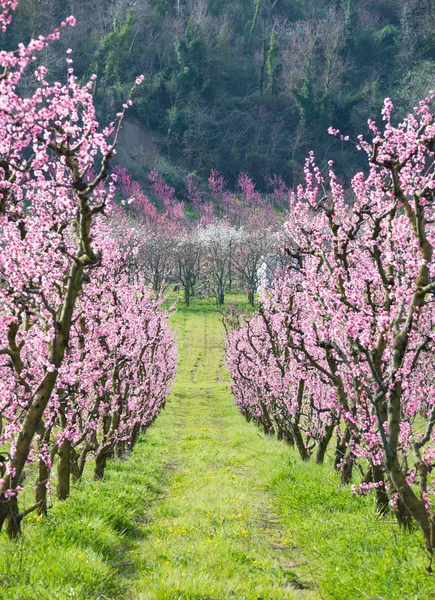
[
  {"x": 306, "y": 101},
  {"x": 192, "y": 61},
  {"x": 350, "y": 18},
  {"x": 177, "y": 123},
  {"x": 262, "y": 76},
  {"x": 257, "y": 8},
  {"x": 385, "y": 35},
  {"x": 414, "y": 85},
  {"x": 114, "y": 50},
  {"x": 274, "y": 66}
]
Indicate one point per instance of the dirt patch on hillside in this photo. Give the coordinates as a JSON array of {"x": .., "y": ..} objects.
[{"x": 138, "y": 147}]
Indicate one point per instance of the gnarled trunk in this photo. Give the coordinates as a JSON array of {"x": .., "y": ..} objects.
[
  {"x": 13, "y": 524},
  {"x": 134, "y": 435},
  {"x": 300, "y": 444},
  {"x": 33, "y": 418},
  {"x": 101, "y": 462}
]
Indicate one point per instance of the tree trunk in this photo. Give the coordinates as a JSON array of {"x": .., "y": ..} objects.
[
  {"x": 286, "y": 435},
  {"x": 13, "y": 523},
  {"x": 411, "y": 504},
  {"x": 403, "y": 516},
  {"x": 29, "y": 427},
  {"x": 300, "y": 444},
  {"x": 347, "y": 468},
  {"x": 41, "y": 397},
  {"x": 120, "y": 450},
  {"x": 323, "y": 444},
  {"x": 75, "y": 466},
  {"x": 101, "y": 463},
  {"x": 41, "y": 487},
  {"x": 44, "y": 470},
  {"x": 134, "y": 436},
  {"x": 382, "y": 498},
  {"x": 82, "y": 459},
  {"x": 64, "y": 471},
  {"x": 267, "y": 427},
  {"x": 340, "y": 449},
  {"x": 266, "y": 421}
]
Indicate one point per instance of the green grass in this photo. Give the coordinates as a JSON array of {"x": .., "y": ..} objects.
[
  {"x": 208, "y": 508},
  {"x": 81, "y": 550},
  {"x": 352, "y": 553}
]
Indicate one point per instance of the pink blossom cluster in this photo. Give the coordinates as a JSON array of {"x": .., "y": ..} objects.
[
  {"x": 174, "y": 249},
  {"x": 6, "y": 6},
  {"x": 121, "y": 359},
  {"x": 267, "y": 383}
]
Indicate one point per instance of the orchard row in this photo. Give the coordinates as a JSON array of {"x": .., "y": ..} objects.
[
  {"x": 342, "y": 347},
  {"x": 86, "y": 356}
]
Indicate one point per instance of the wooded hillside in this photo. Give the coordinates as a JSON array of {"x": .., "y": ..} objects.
[{"x": 246, "y": 85}]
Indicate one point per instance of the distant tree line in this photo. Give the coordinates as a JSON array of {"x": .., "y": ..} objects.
[{"x": 230, "y": 244}]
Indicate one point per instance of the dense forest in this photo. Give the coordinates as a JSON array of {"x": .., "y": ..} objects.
[{"x": 244, "y": 86}]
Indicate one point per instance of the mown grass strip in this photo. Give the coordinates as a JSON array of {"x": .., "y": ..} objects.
[{"x": 215, "y": 535}]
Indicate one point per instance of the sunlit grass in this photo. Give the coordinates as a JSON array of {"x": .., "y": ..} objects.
[{"x": 81, "y": 550}]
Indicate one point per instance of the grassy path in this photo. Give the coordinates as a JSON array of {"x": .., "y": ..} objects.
[{"x": 213, "y": 534}]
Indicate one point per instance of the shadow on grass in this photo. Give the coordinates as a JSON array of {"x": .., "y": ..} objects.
[{"x": 82, "y": 549}]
